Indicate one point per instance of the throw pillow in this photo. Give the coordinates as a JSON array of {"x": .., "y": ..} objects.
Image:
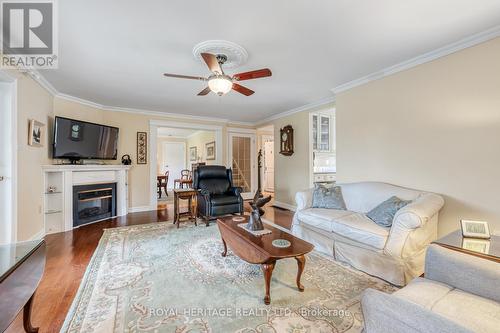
[
  {"x": 384, "y": 213},
  {"x": 328, "y": 197}
]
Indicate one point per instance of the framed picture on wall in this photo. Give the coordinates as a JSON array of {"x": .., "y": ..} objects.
[
  {"x": 210, "y": 150},
  {"x": 193, "y": 153},
  {"x": 142, "y": 148},
  {"x": 36, "y": 133}
]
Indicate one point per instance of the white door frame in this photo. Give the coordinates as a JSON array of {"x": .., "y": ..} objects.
[
  {"x": 248, "y": 133},
  {"x": 11, "y": 229},
  {"x": 183, "y": 144},
  {"x": 265, "y": 138},
  {"x": 153, "y": 138}
]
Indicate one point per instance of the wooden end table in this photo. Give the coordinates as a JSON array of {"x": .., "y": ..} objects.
[
  {"x": 21, "y": 269},
  {"x": 484, "y": 248},
  {"x": 260, "y": 250},
  {"x": 185, "y": 194}
]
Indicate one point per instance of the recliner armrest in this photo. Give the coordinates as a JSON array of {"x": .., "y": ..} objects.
[
  {"x": 235, "y": 190},
  {"x": 204, "y": 192}
]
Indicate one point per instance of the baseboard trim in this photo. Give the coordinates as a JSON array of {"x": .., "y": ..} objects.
[
  {"x": 39, "y": 235},
  {"x": 139, "y": 209},
  {"x": 285, "y": 206}
]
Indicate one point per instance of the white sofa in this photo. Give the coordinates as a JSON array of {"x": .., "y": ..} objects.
[{"x": 394, "y": 254}]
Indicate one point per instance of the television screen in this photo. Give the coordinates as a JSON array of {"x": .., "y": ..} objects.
[{"x": 75, "y": 139}]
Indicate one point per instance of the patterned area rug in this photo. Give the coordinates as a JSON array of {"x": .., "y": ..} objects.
[{"x": 157, "y": 278}]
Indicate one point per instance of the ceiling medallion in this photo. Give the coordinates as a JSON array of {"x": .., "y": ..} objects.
[{"x": 236, "y": 55}]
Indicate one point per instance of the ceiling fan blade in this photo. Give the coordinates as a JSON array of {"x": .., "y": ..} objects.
[
  {"x": 185, "y": 77},
  {"x": 204, "y": 92},
  {"x": 242, "y": 90},
  {"x": 265, "y": 72},
  {"x": 212, "y": 63}
]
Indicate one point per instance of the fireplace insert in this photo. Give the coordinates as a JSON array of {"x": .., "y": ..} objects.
[{"x": 93, "y": 203}]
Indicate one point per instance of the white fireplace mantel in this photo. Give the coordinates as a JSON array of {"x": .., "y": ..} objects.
[{"x": 58, "y": 205}]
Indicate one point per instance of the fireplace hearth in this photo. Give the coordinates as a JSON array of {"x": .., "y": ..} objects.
[{"x": 93, "y": 203}]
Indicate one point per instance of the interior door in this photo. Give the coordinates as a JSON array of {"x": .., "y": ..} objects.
[
  {"x": 242, "y": 161},
  {"x": 174, "y": 160},
  {"x": 7, "y": 218},
  {"x": 269, "y": 166}
]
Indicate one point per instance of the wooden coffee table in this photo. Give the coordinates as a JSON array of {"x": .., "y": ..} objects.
[{"x": 260, "y": 250}]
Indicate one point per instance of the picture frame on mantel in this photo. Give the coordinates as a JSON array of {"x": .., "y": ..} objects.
[
  {"x": 36, "y": 133},
  {"x": 142, "y": 148}
]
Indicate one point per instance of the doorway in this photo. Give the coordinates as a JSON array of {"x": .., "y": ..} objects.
[
  {"x": 174, "y": 160},
  {"x": 268, "y": 165},
  {"x": 241, "y": 157},
  {"x": 8, "y": 158}
]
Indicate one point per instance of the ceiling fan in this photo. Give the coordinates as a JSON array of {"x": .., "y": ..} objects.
[{"x": 219, "y": 82}]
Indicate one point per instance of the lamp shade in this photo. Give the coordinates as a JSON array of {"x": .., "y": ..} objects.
[{"x": 220, "y": 85}]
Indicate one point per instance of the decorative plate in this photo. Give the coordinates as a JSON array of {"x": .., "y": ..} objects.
[
  {"x": 282, "y": 243},
  {"x": 238, "y": 218}
]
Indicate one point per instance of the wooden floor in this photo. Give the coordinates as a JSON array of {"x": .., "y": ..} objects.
[{"x": 69, "y": 253}]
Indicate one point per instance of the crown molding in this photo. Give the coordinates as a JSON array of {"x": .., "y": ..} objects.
[
  {"x": 423, "y": 58},
  {"x": 307, "y": 107}
]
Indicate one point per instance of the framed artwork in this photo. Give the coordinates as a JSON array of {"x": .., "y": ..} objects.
[
  {"x": 210, "y": 150},
  {"x": 475, "y": 229},
  {"x": 193, "y": 153},
  {"x": 142, "y": 148},
  {"x": 36, "y": 133}
]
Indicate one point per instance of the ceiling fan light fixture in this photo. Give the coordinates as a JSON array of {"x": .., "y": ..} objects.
[{"x": 220, "y": 84}]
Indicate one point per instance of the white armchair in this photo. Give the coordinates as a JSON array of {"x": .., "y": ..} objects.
[{"x": 395, "y": 254}]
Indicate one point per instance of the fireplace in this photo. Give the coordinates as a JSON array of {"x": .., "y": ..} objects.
[{"x": 93, "y": 203}]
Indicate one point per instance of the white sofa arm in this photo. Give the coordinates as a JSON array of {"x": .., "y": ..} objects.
[
  {"x": 304, "y": 199},
  {"x": 412, "y": 229},
  {"x": 418, "y": 212}
]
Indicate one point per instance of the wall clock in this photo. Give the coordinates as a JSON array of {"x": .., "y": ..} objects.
[{"x": 286, "y": 140}]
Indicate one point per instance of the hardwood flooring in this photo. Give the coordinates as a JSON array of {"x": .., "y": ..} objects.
[{"x": 69, "y": 253}]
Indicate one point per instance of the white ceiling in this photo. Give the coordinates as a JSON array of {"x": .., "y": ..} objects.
[
  {"x": 176, "y": 132},
  {"x": 114, "y": 52}
]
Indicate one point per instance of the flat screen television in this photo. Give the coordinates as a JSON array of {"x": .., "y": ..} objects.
[{"x": 76, "y": 140}]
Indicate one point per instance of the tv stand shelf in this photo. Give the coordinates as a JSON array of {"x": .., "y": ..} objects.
[{"x": 58, "y": 205}]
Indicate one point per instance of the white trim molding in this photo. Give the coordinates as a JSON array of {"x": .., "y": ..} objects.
[
  {"x": 139, "y": 209},
  {"x": 284, "y": 205},
  {"x": 39, "y": 235},
  {"x": 307, "y": 107},
  {"x": 422, "y": 59}
]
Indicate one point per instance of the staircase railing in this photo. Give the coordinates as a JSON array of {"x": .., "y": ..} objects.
[{"x": 239, "y": 173}]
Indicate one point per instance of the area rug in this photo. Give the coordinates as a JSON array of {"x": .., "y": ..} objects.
[{"x": 157, "y": 278}]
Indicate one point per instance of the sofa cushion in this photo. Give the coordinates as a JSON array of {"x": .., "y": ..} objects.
[
  {"x": 468, "y": 310},
  {"x": 327, "y": 197},
  {"x": 354, "y": 226},
  {"x": 384, "y": 213}
]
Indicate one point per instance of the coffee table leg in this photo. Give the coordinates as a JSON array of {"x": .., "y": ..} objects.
[
  {"x": 268, "y": 273},
  {"x": 27, "y": 317},
  {"x": 301, "y": 262},
  {"x": 225, "y": 248}
]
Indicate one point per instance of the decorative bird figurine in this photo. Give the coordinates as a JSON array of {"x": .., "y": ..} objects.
[{"x": 254, "y": 222}]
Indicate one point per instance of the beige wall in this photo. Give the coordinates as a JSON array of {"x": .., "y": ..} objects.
[
  {"x": 435, "y": 127},
  {"x": 199, "y": 140},
  {"x": 33, "y": 102},
  {"x": 292, "y": 173}
]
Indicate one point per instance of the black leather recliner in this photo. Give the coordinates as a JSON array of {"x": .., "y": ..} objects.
[{"x": 216, "y": 194}]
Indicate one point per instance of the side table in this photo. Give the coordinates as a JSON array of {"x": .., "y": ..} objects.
[
  {"x": 484, "y": 248},
  {"x": 185, "y": 194}
]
